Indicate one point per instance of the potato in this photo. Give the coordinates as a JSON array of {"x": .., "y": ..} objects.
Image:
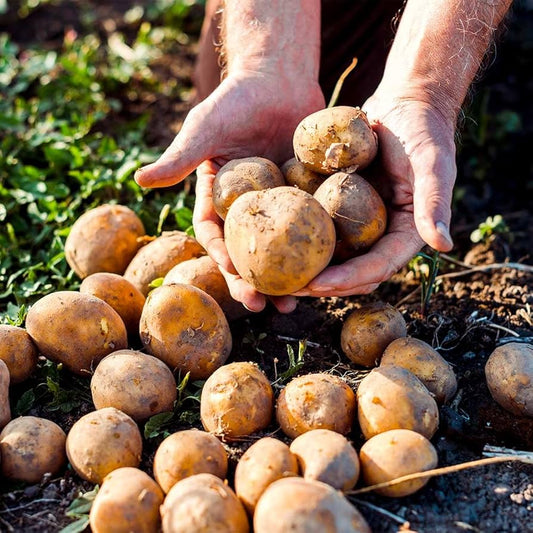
[
  {"x": 367, "y": 331},
  {"x": 305, "y": 506},
  {"x": 186, "y": 453},
  {"x": 157, "y": 257},
  {"x": 18, "y": 352},
  {"x": 137, "y": 384},
  {"x": 315, "y": 401},
  {"x": 336, "y": 138},
  {"x": 264, "y": 462},
  {"x": 102, "y": 441},
  {"x": 128, "y": 500},
  {"x": 240, "y": 176},
  {"x": 297, "y": 175},
  {"x": 509, "y": 375},
  {"x": 103, "y": 239},
  {"x": 393, "y": 454},
  {"x": 279, "y": 239},
  {"x": 75, "y": 329},
  {"x": 391, "y": 397},
  {"x": 120, "y": 294},
  {"x": 31, "y": 447},
  {"x": 357, "y": 210},
  {"x": 5, "y": 409},
  {"x": 203, "y": 503},
  {"x": 237, "y": 400},
  {"x": 185, "y": 327},
  {"x": 327, "y": 456},
  {"x": 425, "y": 363},
  {"x": 203, "y": 272}
]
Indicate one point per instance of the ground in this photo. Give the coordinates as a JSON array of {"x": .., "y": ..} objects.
[{"x": 473, "y": 310}]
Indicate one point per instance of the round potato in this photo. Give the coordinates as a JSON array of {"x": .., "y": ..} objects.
[
  {"x": 103, "y": 239},
  {"x": 393, "y": 454},
  {"x": 237, "y": 400},
  {"x": 316, "y": 401},
  {"x": 186, "y": 453},
  {"x": 31, "y": 447},
  {"x": 18, "y": 352},
  {"x": 279, "y": 239},
  {"x": 367, "y": 331},
  {"x": 75, "y": 329},
  {"x": 135, "y": 383},
  {"x": 5, "y": 409},
  {"x": 128, "y": 500},
  {"x": 297, "y": 175},
  {"x": 335, "y": 138},
  {"x": 102, "y": 441},
  {"x": 185, "y": 327}
]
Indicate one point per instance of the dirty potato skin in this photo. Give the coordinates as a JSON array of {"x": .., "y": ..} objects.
[
  {"x": 18, "y": 352},
  {"x": 5, "y": 408},
  {"x": 297, "y": 175},
  {"x": 279, "y": 239}
]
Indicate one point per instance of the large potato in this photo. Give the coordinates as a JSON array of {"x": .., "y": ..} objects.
[
  {"x": 185, "y": 327},
  {"x": 297, "y": 175},
  {"x": 137, "y": 384},
  {"x": 5, "y": 409},
  {"x": 335, "y": 138},
  {"x": 30, "y": 447},
  {"x": 128, "y": 500},
  {"x": 75, "y": 329},
  {"x": 315, "y": 401},
  {"x": 18, "y": 352},
  {"x": 103, "y": 239},
  {"x": 279, "y": 239}
]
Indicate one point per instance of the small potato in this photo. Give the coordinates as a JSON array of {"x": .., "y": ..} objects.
[
  {"x": 367, "y": 331},
  {"x": 391, "y": 397},
  {"x": 18, "y": 352},
  {"x": 157, "y": 257},
  {"x": 335, "y": 138},
  {"x": 297, "y": 175},
  {"x": 425, "y": 363},
  {"x": 75, "y": 329},
  {"x": 185, "y": 327},
  {"x": 279, "y": 239},
  {"x": 393, "y": 454},
  {"x": 128, "y": 500},
  {"x": 5, "y": 409},
  {"x": 264, "y": 462},
  {"x": 509, "y": 375},
  {"x": 103, "y": 239},
  {"x": 305, "y": 506},
  {"x": 237, "y": 400},
  {"x": 240, "y": 176},
  {"x": 31, "y": 447},
  {"x": 327, "y": 456},
  {"x": 203, "y": 503},
  {"x": 137, "y": 384},
  {"x": 316, "y": 401},
  {"x": 186, "y": 453},
  {"x": 102, "y": 441}
]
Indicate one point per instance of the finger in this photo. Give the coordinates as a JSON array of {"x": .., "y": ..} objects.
[
  {"x": 318, "y": 293},
  {"x": 284, "y": 304},
  {"x": 241, "y": 291}
]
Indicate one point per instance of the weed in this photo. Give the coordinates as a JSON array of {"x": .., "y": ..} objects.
[
  {"x": 425, "y": 267},
  {"x": 491, "y": 226},
  {"x": 79, "y": 509}
]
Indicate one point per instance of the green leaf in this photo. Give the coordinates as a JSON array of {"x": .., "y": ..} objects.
[
  {"x": 82, "y": 504},
  {"x": 156, "y": 424},
  {"x": 25, "y": 403},
  {"x": 78, "y": 526}
]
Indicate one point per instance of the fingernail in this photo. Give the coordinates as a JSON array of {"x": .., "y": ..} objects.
[{"x": 442, "y": 228}]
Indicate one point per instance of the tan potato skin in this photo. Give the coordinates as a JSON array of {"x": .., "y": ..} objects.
[
  {"x": 265, "y": 461},
  {"x": 128, "y": 500},
  {"x": 5, "y": 409},
  {"x": 367, "y": 331},
  {"x": 279, "y": 239},
  {"x": 297, "y": 175},
  {"x": 156, "y": 258},
  {"x": 237, "y": 400},
  {"x": 75, "y": 329},
  {"x": 391, "y": 397},
  {"x": 336, "y": 138},
  {"x": 316, "y": 401},
  {"x": 30, "y": 447},
  {"x": 203, "y": 503},
  {"x": 185, "y": 327},
  {"x": 103, "y": 239},
  {"x": 242, "y": 175},
  {"x": 394, "y": 454},
  {"x": 425, "y": 363},
  {"x": 137, "y": 384},
  {"x": 509, "y": 375},
  {"x": 186, "y": 453},
  {"x": 18, "y": 352},
  {"x": 102, "y": 441}
]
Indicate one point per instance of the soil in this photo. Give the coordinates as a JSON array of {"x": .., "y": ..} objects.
[{"x": 484, "y": 299}]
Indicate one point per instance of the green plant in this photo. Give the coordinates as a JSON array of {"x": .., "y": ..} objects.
[
  {"x": 296, "y": 362},
  {"x": 79, "y": 509},
  {"x": 425, "y": 267},
  {"x": 491, "y": 226}
]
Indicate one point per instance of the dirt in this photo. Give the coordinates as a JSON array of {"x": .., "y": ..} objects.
[{"x": 473, "y": 311}]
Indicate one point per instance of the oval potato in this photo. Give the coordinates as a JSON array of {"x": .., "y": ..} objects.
[
  {"x": 297, "y": 175},
  {"x": 5, "y": 408},
  {"x": 18, "y": 352}
]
